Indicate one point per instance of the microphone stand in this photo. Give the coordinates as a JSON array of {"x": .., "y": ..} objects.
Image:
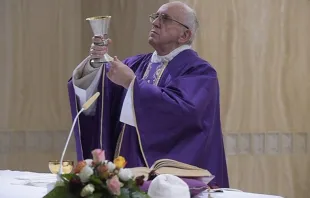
[
  {"x": 68, "y": 139},
  {"x": 86, "y": 105}
]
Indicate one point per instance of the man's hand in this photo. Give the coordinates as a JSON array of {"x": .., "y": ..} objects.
[
  {"x": 97, "y": 51},
  {"x": 120, "y": 73}
]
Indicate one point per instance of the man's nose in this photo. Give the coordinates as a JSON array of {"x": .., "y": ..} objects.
[{"x": 156, "y": 23}]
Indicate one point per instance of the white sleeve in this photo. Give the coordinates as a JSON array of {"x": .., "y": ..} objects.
[
  {"x": 127, "y": 113},
  {"x": 85, "y": 81}
]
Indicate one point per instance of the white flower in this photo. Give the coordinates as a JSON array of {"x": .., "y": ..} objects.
[
  {"x": 111, "y": 166},
  {"x": 87, "y": 190},
  {"x": 125, "y": 174},
  {"x": 85, "y": 173},
  {"x": 89, "y": 162}
]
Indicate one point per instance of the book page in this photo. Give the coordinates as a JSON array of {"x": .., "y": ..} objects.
[
  {"x": 168, "y": 166},
  {"x": 173, "y": 163},
  {"x": 173, "y": 167},
  {"x": 183, "y": 172}
]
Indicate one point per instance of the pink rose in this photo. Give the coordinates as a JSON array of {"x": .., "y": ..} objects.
[
  {"x": 114, "y": 185},
  {"x": 98, "y": 155}
]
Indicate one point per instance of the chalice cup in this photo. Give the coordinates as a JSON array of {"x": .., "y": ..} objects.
[
  {"x": 54, "y": 166},
  {"x": 100, "y": 26}
]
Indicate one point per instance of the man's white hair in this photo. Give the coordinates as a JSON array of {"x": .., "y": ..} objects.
[
  {"x": 193, "y": 23},
  {"x": 190, "y": 19}
]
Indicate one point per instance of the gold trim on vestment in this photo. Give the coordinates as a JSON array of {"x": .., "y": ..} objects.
[
  {"x": 102, "y": 105},
  {"x": 77, "y": 111},
  {"x": 119, "y": 142},
  {"x": 137, "y": 129},
  {"x": 159, "y": 72},
  {"x": 147, "y": 71}
]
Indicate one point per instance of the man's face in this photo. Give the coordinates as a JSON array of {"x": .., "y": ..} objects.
[{"x": 167, "y": 26}]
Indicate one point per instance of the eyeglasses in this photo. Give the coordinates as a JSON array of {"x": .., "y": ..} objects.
[{"x": 164, "y": 18}]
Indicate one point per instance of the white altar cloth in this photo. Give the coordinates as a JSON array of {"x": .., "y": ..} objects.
[{"x": 16, "y": 184}]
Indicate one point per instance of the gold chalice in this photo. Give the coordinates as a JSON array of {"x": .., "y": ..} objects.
[{"x": 54, "y": 166}]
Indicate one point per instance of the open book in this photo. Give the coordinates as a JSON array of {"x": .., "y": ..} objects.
[{"x": 168, "y": 166}]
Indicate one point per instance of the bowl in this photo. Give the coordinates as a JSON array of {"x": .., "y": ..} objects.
[{"x": 54, "y": 166}]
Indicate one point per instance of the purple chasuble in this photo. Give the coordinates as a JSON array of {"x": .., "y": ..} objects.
[{"x": 177, "y": 111}]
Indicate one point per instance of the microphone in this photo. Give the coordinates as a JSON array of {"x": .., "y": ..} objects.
[{"x": 85, "y": 106}]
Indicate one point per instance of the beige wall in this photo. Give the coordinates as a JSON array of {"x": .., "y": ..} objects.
[
  {"x": 260, "y": 49},
  {"x": 42, "y": 41},
  {"x": 40, "y": 45}
]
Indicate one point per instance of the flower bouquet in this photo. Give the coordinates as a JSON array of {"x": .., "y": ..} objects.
[{"x": 99, "y": 178}]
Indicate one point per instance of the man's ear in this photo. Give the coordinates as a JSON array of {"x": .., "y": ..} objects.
[{"x": 186, "y": 36}]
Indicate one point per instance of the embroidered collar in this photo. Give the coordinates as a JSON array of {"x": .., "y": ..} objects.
[{"x": 157, "y": 59}]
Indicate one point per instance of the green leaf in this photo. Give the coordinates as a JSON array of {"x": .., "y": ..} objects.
[
  {"x": 95, "y": 180},
  {"x": 59, "y": 192},
  {"x": 99, "y": 184},
  {"x": 96, "y": 173},
  {"x": 125, "y": 193},
  {"x": 67, "y": 177},
  {"x": 131, "y": 184},
  {"x": 135, "y": 187},
  {"x": 138, "y": 194}
]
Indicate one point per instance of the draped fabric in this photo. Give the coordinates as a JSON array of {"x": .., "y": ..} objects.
[{"x": 260, "y": 49}]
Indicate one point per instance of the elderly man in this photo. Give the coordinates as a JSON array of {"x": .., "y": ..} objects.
[{"x": 153, "y": 106}]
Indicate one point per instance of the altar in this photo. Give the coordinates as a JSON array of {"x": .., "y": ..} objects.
[{"x": 16, "y": 184}]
